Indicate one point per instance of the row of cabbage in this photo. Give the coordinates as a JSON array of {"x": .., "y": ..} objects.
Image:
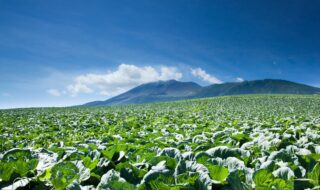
[{"x": 244, "y": 142}]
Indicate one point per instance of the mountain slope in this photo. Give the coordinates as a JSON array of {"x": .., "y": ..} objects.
[
  {"x": 153, "y": 92},
  {"x": 175, "y": 90},
  {"x": 267, "y": 86}
]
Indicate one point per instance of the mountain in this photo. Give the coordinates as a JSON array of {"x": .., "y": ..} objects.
[
  {"x": 267, "y": 86},
  {"x": 153, "y": 92},
  {"x": 175, "y": 90}
]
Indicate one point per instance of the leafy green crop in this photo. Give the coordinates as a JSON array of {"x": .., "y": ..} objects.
[
  {"x": 17, "y": 163},
  {"x": 63, "y": 174},
  {"x": 239, "y": 142}
]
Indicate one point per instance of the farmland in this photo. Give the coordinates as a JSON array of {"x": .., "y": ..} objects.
[{"x": 236, "y": 142}]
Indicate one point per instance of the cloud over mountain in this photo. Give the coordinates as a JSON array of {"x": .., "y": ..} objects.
[
  {"x": 126, "y": 76},
  {"x": 202, "y": 74}
]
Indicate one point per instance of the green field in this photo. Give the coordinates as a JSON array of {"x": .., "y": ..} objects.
[{"x": 237, "y": 142}]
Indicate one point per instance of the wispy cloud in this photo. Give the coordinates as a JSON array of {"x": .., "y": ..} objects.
[
  {"x": 77, "y": 88},
  {"x": 239, "y": 79},
  {"x": 126, "y": 76},
  {"x": 202, "y": 74},
  {"x": 54, "y": 92}
]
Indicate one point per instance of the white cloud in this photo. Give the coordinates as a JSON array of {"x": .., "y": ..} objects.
[
  {"x": 239, "y": 79},
  {"x": 54, "y": 92},
  {"x": 75, "y": 89},
  {"x": 122, "y": 79},
  {"x": 200, "y": 73}
]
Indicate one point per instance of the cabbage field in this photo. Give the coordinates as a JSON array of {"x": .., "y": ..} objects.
[{"x": 238, "y": 142}]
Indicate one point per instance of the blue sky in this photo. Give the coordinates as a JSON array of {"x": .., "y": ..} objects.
[{"x": 60, "y": 53}]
